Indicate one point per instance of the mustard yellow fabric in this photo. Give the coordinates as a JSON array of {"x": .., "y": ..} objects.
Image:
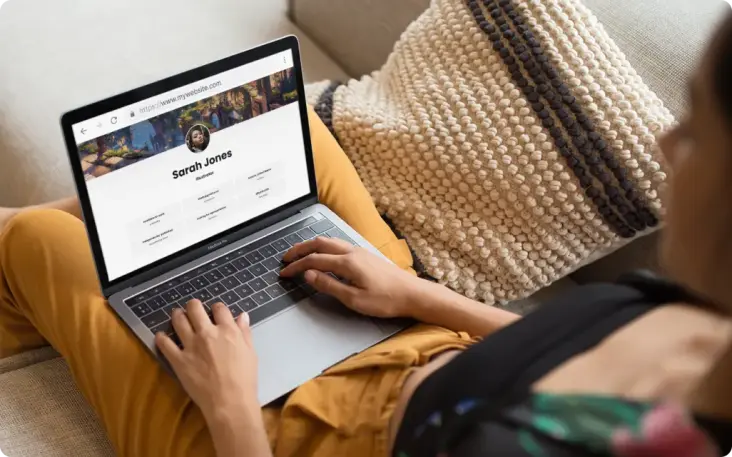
[{"x": 49, "y": 294}]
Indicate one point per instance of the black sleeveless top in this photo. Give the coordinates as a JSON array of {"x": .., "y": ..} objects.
[{"x": 481, "y": 404}]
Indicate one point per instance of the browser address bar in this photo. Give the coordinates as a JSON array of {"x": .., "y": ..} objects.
[{"x": 180, "y": 97}]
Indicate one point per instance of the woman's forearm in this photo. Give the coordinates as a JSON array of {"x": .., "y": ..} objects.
[
  {"x": 239, "y": 432},
  {"x": 436, "y": 304}
]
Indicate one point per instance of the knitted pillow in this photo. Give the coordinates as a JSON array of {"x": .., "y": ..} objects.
[{"x": 508, "y": 140}]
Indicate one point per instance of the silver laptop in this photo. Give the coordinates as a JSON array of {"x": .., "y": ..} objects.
[{"x": 194, "y": 187}]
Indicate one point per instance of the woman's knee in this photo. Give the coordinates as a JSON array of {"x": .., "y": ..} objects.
[{"x": 26, "y": 231}]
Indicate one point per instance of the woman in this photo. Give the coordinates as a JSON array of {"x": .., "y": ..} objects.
[
  {"x": 198, "y": 138},
  {"x": 613, "y": 369}
]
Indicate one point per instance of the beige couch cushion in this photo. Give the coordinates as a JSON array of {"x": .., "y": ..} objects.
[{"x": 42, "y": 412}]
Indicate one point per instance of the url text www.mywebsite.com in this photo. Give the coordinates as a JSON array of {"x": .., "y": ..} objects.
[{"x": 178, "y": 98}]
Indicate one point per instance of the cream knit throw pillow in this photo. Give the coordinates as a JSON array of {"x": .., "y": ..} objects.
[{"x": 508, "y": 140}]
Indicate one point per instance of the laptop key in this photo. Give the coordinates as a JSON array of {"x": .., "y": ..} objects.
[
  {"x": 200, "y": 282},
  {"x": 308, "y": 289},
  {"x": 156, "y": 303},
  {"x": 154, "y": 319},
  {"x": 279, "y": 256},
  {"x": 213, "y": 264},
  {"x": 230, "y": 282},
  {"x": 216, "y": 289},
  {"x": 166, "y": 327},
  {"x": 287, "y": 284},
  {"x": 241, "y": 263},
  {"x": 141, "y": 310},
  {"x": 258, "y": 269},
  {"x": 228, "y": 270},
  {"x": 271, "y": 278},
  {"x": 275, "y": 306},
  {"x": 187, "y": 276},
  {"x": 235, "y": 311},
  {"x": 271, "y": 264},
  {"x": 268, "y": 251},
  {"x": 322, "y": 226},
  {"x": 275, "y": 290},
  {"x": 307, "y": 234},
  {"x": 260, "y": 298},
  {"x": 176, "y": 340},
  {"x": 254, "y": 257},
  {"x": 244, "y": 276},
  {"x": 171, "y": 296},
  {"x": 137, "y": 299},
  {"x": 157, "y": 290},
  {"x": 171, "y": 283},
  {"x": 213, "y": 276},
  {"x": 244, "y": 291},
  {"x": 247, "y": 304},
  {"x": 229, "y": 298},
  {"x": 185, "y": 289},
  {"x": 184, "y": 301},
  {"x": 293, "y": 239},
  {"x": 169, "y": 309},
  {"x": 281, "y": 245},
  {"x": 257, "y": 284},
  {"x": 228, "y": 257},
  {"x": 202, "y": 295}
]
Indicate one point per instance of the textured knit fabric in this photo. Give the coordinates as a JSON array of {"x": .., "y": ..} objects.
[{"x": 508, "y": 140}]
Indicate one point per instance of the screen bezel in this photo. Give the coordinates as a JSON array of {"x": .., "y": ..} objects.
[{"x": 68, "y": 120}]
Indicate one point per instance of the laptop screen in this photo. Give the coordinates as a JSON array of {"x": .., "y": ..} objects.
[{"x": 174, "y": 170}]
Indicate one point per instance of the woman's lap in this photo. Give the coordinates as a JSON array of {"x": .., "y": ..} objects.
[{"x": 49, "y": 294}]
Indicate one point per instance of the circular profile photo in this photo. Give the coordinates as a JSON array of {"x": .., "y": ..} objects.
[{"x": 198, "y": 138}]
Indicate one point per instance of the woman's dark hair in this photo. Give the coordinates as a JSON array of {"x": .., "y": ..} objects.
[
  {"x": 202, "y": 131},
  {"x": 722, "y": 72}
]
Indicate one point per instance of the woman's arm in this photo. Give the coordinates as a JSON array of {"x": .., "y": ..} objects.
[
  {"x": 238, "y": 431},
  {"x": 378, "y": 288},
  {"x": 218, "y": 368},
  {"x": 436, "y": 304}
]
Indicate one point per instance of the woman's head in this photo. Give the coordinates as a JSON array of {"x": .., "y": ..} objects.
[
  {"x": 197, "y": 138},
  {"x": 697, "y": 240}
]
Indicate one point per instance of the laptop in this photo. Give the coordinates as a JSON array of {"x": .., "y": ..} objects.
[{"x": 194, "y": 187}]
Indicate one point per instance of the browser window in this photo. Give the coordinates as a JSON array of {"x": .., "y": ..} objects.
[{"x": 171, "y": 171}]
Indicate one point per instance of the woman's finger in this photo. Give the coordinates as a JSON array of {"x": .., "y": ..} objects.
[
  {"x": 321, "y": 245},
  {"x": 197, "y": 315},
  {"x": 321, "y": 262},
  {"x": 243, "y": 323},
  {"x": 182, "y": 326},
  {"x": 168, "y": 348},
  {"x": 222, "y": 315},
  {"x": 327, "y": 284}
]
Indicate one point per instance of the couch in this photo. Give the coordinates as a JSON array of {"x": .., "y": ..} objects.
[{"x": 77, "y": 52}]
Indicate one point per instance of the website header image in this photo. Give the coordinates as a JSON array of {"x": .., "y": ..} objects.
[{"x": 193, "y": 125}]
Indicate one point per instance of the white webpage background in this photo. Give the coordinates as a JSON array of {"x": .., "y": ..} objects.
[{"x": 123, "y": 199}]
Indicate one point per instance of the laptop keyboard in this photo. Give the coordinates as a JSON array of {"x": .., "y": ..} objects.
[{"x": 246, "y": 279}]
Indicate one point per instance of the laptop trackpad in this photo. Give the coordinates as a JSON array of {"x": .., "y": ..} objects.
[{"x": 300, "y": 343}]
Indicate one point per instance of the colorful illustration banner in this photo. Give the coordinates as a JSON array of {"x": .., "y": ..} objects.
[{"x": 179, "y": 127}]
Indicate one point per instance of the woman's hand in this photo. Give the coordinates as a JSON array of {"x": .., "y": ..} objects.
[
  {"x": 375, "y": 287},
  {"x": 217, "y": 365}
]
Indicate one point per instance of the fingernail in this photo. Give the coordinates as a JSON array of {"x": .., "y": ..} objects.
[
  {"x": 310, "y": 276},
  {"x": 245, "y": 318}
]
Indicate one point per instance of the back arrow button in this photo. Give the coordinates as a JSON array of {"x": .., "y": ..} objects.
[{"x": 83, "y": 131}]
